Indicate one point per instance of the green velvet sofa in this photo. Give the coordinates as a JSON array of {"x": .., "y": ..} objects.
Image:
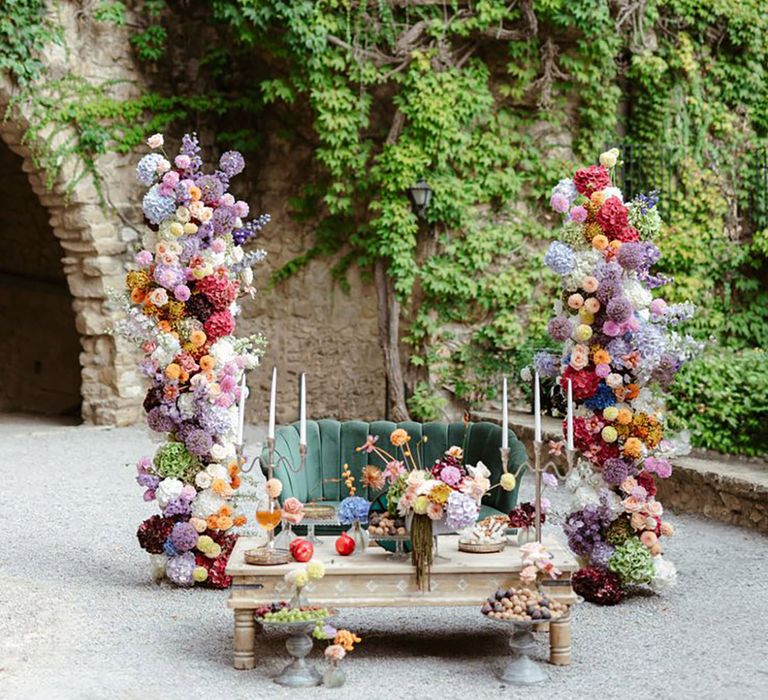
[{"x": 331, "y": 444}]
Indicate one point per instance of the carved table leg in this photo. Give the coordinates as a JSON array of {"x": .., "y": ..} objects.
[
  {"x": 560, "y": 641},
  {"x": 244, "y": 643}
]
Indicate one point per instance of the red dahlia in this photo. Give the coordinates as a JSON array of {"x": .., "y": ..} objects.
[{"x": 591, "y": 179}]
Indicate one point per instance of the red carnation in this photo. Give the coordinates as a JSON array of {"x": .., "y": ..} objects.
[
  {"x": 591, "y": 179},
  {"x": 612, "y": 217},
  {"x": 645, "y": 479},
  {"x": 219, "y": 324},
  {"x": 584, "y": 381}
]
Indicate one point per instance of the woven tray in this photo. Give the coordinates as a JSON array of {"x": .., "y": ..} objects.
[
  {"x": 316, "y": 511},
  {"x": 265, "y": 557},
  {"x": 482, "y": 547}
]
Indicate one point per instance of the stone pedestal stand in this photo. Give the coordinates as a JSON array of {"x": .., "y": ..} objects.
[{"x": 521, "y": 670}]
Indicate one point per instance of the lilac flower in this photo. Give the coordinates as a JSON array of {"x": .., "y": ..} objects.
[
  {"x": 169, "y": 276},
  {"x": 600, "y": 554},
  {"x": 214, "y": 419},
  {"x": 615, "y": 470},
  {"x": 631, "y": 256},
  {"x": 223, "y": 220},
  {"x": 582, "y": 528},
  {"x": 560, "y": 258},
  {"x": 566, "y": 188}
]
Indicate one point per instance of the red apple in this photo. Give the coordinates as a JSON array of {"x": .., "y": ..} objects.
[
  {"x": 302, "y": 550},
  {"x": 345, "y": 545}
]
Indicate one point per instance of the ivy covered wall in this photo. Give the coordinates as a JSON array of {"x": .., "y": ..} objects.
[{"x": 491, "y": 101}]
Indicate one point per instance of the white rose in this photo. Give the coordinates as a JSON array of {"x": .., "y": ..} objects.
[
  {"x": 217, "y": 471},
  {"x": 167, "y": 490},
  {"x": 218, "y": 452},
  {"x": 203, "y": 480},
  {"x": 155, "y": 141}
]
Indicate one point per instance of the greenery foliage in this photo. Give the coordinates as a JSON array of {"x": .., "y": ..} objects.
[{"x": 478, "y": 97}]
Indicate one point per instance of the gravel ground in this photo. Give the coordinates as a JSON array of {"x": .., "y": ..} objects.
[{"x": 80, "y": 618}]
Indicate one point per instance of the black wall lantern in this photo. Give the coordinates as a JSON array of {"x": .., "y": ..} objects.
[{"x": 420, "y": 195}]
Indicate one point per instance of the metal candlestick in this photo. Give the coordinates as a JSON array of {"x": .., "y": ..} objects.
[{"x": 539, "y": 467}]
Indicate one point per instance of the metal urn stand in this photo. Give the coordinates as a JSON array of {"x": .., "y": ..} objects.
[{"x": 299, "y": 673}]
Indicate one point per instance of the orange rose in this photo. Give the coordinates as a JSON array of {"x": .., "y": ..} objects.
[
  {"x": 197, "y": 338},
  {"x": 633, "y": 448},
  {"x": 207, "y": 362},
  {"x": 173, "y": 371}
]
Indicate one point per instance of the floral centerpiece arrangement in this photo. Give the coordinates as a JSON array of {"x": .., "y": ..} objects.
[
  {"x": 620, "y": 351},
  {"x": 445, "y": 495},
  {"x": 181, "y": 307}
]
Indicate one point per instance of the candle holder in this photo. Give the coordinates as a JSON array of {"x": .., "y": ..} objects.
[
  {"x": 539, "y": 467},
  {"x": 275, "y": 459}
]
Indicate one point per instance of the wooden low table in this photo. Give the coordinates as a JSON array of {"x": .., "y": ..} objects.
[{"x": 375, "y": 579}]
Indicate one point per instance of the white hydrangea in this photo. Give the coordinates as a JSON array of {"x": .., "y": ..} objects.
[
  {"x": 585, "y": 266},
  {"x": 639, "y": 296},
  {"x": 167, "y": 348},
  {"x": 613, "y": 192},
  {"x": 207, "y": 503},
  {"x": 167, "y": 490},
  {"x": 222, "y": 351},
  {"x": 665, "y": 576},
  {"x": 186, "y": 405}
]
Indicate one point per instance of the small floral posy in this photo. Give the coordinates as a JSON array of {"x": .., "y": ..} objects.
[
  {"x": 181, "y": 309},
  {"x": 621, "y": 350}
]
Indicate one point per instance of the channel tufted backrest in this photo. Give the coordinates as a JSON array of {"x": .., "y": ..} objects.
[{"x": 331, "y": 444}]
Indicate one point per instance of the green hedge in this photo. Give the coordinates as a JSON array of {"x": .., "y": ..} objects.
[{"x": 722, "y": 397}]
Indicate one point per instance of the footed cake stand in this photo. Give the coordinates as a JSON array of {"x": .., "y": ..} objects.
[
  {"x": 521, "y": 669},
  {"x": 299, "y": 673}
]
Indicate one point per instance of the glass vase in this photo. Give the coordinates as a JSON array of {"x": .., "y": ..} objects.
[
  {"x": 286, "y": 536},
  {"x": 334, "y": 676},
  {"x": 525, "y": 535},
  {"x": 361, "y": 537}
]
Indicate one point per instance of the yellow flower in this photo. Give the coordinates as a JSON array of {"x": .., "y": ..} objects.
[
  {"x": 346, "y": 639},
  {"x": 609, "y": 158},
  {"x": 508, "y": 482},
  {"x": 301, "y": 579},
  {"x": 609, "y": 434},
  {"x": 315, "y": 570},
  {"x": 440, "y": 493},
  {"x": 420, "y": 505}
]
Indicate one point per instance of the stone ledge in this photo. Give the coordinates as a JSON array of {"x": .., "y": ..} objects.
[{"x": 727, "y": 489}]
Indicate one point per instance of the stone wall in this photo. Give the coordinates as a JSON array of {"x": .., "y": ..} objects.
[{"x": 313, "y": 326}]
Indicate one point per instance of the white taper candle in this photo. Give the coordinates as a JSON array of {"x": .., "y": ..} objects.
[
  {"x": 504, "y": 415},
  {"x": 570, "y": 415},
  {"x": 241, "y": 410},
  {"x": 303, "y": 411},
  {"x": 536, "y": 407},
  {"x": 272, "y": 405}
]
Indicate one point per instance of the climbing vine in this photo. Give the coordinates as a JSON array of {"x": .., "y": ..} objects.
[{"x": 490, "y": 101}]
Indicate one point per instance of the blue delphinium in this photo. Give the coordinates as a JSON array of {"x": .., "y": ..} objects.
[
  {"x": 353, "y": 509},
  {"x": 601, "y": 399}
]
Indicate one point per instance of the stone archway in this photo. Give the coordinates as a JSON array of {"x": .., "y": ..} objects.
[{"x": 94, "y": 244}]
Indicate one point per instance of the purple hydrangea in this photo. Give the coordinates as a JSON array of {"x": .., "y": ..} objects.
[
  {"x": 190, "y": 246},
  {"x": 461, "y": 511},
  {"x": 147, "y": 481},
  {"x": 169, "y": 276},
  {"x": 178, "y": 506},
  {"x": 214, "y": 419},
  {"x": 619, "y": 309},
  {"x": 198, "y": 442},
  {"x": 609, "y": 277},
  {"x": 651, "y": 341},
  {"x": 180, "y": 568},
  {"x": 600, "y": 554},
  {"x": 582, "y": 528},
  {"x": 158, "y": 208},
  {"x": 231, "y": 163},
  {"x": 560, "y": 258},
  {"x": 560, "y": 328},
  {"x": 223, "y": 220},
  {"x": 547, "y": 364},
  {"x": 184, "y": 536},
  {"x": 618, "y": 347}
]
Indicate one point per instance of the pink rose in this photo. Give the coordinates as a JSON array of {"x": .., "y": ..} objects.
[
  {"x": 143, "y": 258},
  {"x": 592, "y": 305},
  {"x": 602, "y": 370},
  {"x": 182, "y": 162},
  {"x": 181, "y": 292},
  {"x": 528, "y": 574},
  {"x": 241, "y": 209},
  {"x": 434, "y": 511},
  {"x": 218, "y": 245},
  {"x": 658, "y": 307},
  {"x": 649, "y": 538},
  {"x": 293, "y": 510},
  {"x": 575, "y": 301}
]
